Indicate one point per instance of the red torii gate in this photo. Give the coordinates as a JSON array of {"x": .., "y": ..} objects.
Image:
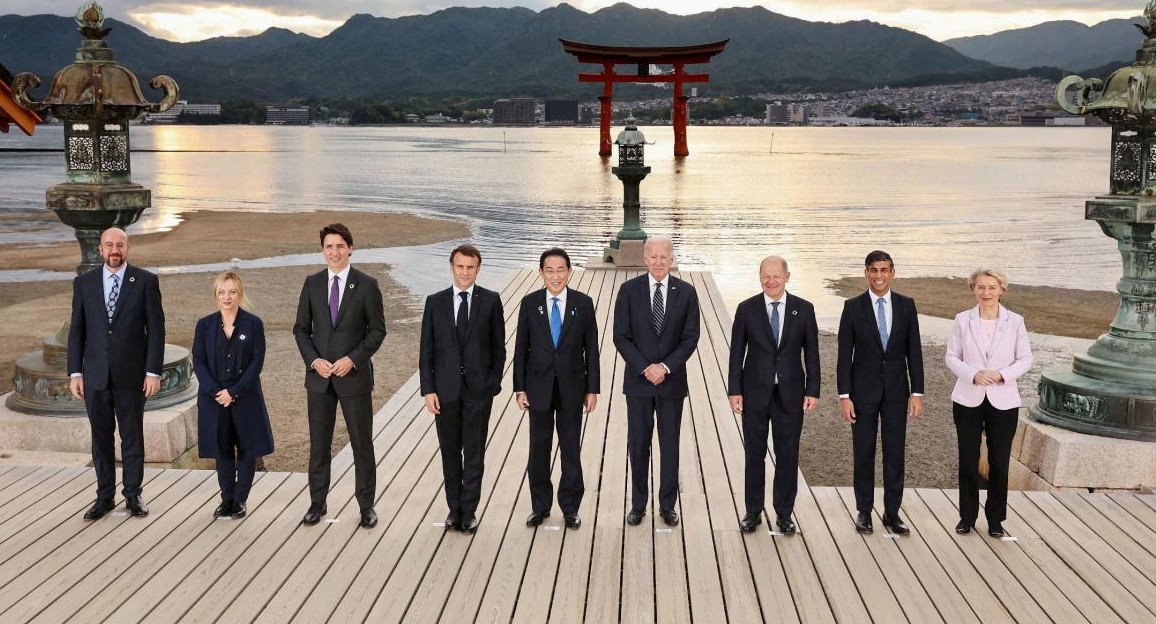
[{"x": 643, "y": 58}]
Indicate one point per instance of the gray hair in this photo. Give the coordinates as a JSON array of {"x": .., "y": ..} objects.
[
  {"x": 654, "y": 240},
  {"x": 781, "y": 260}
]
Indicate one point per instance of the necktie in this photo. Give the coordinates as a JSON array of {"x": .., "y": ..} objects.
[
  {"x": 334, "y": 299},
  {"x": 555, "y": 322},
  {"x": 658, "y": 311},
  {"x": 881, "y": 317},
  {"x": 463, "y": 321},
  {"x": 113, "y": 293},
  {"x": 775, "y": 321}
]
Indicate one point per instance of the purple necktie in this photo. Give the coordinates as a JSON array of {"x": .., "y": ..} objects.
[{"x": 334, "y": 299}]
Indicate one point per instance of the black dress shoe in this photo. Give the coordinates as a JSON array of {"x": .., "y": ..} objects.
[
  {"x": 863, "y": 523},
  {"x": 786, "y": 525},
  {"x": 536, "y": 518},
  {"x": 98, "y": 510},
  {"x": 634, "y": 518},
  {"x": 469, "y": 524},
  {"x": 224, "y": 510},
  {"x": 750, "y": 521},
  {"x": 995, "y": 529},
  {"x": 239, "y": 510},
  {"x": 453, "y": 522},
  {"x": 895, "y": 525},
  {"x": 313, "y": 516},
  {"x": 572, "y": 521},
  {"x": 136, "y": 506},
  {"x": 964, "y": 527},
  {"x": 669, "y": 516},
  {"x": 368, "y": 517}
]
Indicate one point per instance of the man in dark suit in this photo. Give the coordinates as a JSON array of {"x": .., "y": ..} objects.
[
  {"x": 340, "y": 325},
  {"x": 463, "y": 351},
  {"x": 556, "y": 377},
  {"x": 880, "y": 379},
  {"x": 656, "y": 328},
  {"x": 774, "y": 337},
  {"x": 116, "y": 349}
]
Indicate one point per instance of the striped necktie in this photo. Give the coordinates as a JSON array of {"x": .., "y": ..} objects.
[{"x": 658, "y": 311}]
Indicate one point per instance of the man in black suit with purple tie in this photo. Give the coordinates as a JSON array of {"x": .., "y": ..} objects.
[
  {"x": 774, "y": 378},
  {"x": 880, "y": 379},
  {"x": 340, "y": 325},
  {"x": 656, "y": 328}
]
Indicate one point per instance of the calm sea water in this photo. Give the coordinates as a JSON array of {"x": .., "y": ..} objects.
[{"x": 941, "y": 200}]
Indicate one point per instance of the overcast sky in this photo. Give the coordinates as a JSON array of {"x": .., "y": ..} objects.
[{"x": 191, "y": 20}]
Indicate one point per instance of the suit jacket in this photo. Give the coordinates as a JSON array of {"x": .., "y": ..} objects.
[
  {"x": 472, "y": 370},
  {"x": 967, "y": 354},
  {"x": 358, "y": 333},
  {"x": 574, "y": 363},
  {"x": 867, "y": 372},
  {"x": 129, "y": 346},
  {"x": 756, "y": 359},
  {"x": 635, "y": 340},
  {"x": 243, "y": 382}
]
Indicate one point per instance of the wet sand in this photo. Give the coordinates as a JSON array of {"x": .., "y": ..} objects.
[{"x": 36, "y": 309}]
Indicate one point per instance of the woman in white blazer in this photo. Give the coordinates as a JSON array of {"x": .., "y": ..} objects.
[{"x": 988, "y": 351}]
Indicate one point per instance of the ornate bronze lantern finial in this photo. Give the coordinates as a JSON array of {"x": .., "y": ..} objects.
[{"x": 90, "y": 19}]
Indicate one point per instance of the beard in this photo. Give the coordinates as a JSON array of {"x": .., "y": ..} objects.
[{"x": 114, "y": 260}]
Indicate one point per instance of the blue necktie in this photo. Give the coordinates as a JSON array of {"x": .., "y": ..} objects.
[
  {"x": 658, "y": 310},
  {"x": 555, "y": 322},
  {"x": 775, "y": 321},
  {"x": 881, "y": 317}
]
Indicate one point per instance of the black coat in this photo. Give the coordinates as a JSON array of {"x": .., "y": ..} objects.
[
  {"x": 574, "y": 363},
  {"x": 358, "y": 333},
  {"x": 755, "y": 359},
  {"x": 864, "y": 370},
  {"x": 441, "y": 363},
  {"x": 635, "y": 340},
  {"x": 247, "y": 349},
  {"x": 134, "y": 340}
]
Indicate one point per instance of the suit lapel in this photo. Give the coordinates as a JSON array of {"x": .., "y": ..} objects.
[
  {"x": 788, "y": 325},
  {"x": 975, "y": 328},
  {"x": 127, "y": 281},
  {"x": 472, "y": 312},
  {"x": 872, "y": 322},
  {"x": 350, "y": 287},
  {"x": 569, "y": 315}
]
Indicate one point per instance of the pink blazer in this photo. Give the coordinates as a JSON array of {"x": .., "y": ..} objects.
[{"x": 1011, "y": 355}]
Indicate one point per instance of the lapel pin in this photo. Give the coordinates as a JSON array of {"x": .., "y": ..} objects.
[
  {"x": 351, "y": 286},
  {"x": 132, "y": 279},
  {"x": 794, "y": 312},
  {"x": 540, "y": 310},
  {"x": 242, "y": 336},
  {"x": 573, "y": 312}
]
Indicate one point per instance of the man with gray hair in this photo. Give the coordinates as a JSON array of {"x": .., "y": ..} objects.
[
  {"x": 774, "y": 378},
  {"x": 656, "y": 328}
]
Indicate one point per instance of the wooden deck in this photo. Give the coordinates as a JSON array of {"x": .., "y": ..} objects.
[{"x": 1076, "y": 557}]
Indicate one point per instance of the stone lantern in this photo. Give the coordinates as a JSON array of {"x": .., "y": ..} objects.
[
  {"x": 95, "y": 99},
  {"x": 1111, "y": 389},
  {"x": 626, "y": 248}
]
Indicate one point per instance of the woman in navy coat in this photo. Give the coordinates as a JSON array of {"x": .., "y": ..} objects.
[{"x": 233, "y": 424}]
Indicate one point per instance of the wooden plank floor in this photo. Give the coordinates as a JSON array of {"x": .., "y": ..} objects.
[{"x": 1075, "y": 557}]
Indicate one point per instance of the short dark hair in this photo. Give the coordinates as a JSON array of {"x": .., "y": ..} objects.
[
  {"x": 878, "y": 256},
  {"x": 554, "y": 251},
  {"x": 338, "y": 229},
  {"x": 468, "y": 251}
]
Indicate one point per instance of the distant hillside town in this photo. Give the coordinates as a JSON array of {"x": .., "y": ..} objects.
[{"x": 1019, "y": 101}]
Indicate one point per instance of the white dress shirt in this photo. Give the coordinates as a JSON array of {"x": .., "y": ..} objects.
[
  {"x": 458, "y": 299},
  {"x": 561, "y": 303},
  {"x": 342, "y": 285}
]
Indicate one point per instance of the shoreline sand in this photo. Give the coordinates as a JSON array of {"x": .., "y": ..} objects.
[{"x": 36, "y": 309}]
